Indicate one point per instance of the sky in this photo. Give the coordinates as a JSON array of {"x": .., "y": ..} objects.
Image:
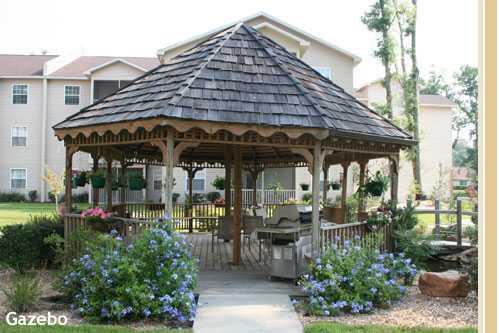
[{"x": 447, "y": 35}]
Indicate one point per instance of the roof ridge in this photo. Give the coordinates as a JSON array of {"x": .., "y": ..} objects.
[
  {"x": 286, "y": 70},
  {"x": 202, "y": 66}
]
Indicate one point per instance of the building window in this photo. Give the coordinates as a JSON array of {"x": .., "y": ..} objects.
[
  {"x": 198, "y": 183},
  {"x": 325, "y": 71},
  {"x": 17, "y": 178},
  {"x": 19, "y": 136},
  {"x": 20, "y": 94},
  {"x": 157, "y": 180},
  {"x": 72, "y": 95}
]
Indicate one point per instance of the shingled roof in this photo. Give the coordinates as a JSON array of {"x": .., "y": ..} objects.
[{"x": 239, "y": 76}]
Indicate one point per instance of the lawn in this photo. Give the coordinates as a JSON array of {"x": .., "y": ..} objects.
[
  {"x": 328, "y": 327},
  {"x": 19, "y": 212},
  {"x": 84, "y": 329}
]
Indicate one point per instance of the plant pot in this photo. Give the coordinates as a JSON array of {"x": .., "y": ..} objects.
[
  {"x": 335, "y": 186},
  {"x": 136, "y": 184},
  {"x": 376, "y": 191},
  {"x": 98, "y": 181},
  {"x": 334, "y": 214},
  {"x": 81, "y": 179},
  {"x": 305, "y": 187}
]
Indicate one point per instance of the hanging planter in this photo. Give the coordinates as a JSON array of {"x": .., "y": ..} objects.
[
  {"x": 304, "y": 186},
  {"x": 98, "y": 179},
  {"x": 335, "y": 186},
  {"x": 80, "y": 179},
  {"x": 136, "y": 183},
  {"x": 376, "y": 185}
]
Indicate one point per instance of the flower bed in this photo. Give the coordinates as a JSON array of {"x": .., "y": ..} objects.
[
  {"x": 153, "y": 278},
  {"x": 355, "y": 280}
]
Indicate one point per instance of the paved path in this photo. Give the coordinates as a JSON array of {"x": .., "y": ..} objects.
[{"x": 244, "y": 302}]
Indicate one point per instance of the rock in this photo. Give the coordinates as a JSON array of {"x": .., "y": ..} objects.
[
  {"x": 444, "y": 284},
  {"x": 462, "y": 257}
]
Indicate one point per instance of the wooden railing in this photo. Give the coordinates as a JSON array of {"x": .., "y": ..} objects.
[
  {"x": 458, "y": 212},
  {"x": 336, "y": 235}
]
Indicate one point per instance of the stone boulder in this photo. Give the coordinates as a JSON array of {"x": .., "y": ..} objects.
[{"x": 444, "y": 284}]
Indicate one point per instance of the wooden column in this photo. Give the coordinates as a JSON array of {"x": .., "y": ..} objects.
[
  {"x": 394, "y": 181},
  {"x": 325, "y": 188},
  {"x": 123, "y": 182},
  {"x": 362, "y": 180},
  {"x": 68, "y": 186},
  {"x": 228, "y": 174},
  {"x": 191, "y": 173},
  {"x": 254, "y": 178},
  {"x": 95, "y": 191},
  {"x": 109, "y": 183},
  {"x": 316, "y": 179},
  {"x": 238, "y": 200},
  {"x": 344, "y": 188},
  {"x": 167, "y": 150}
]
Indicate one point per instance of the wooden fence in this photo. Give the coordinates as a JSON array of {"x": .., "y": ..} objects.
[{"x": 458, "y": 212}]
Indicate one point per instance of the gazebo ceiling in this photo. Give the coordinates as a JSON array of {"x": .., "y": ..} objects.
[{"x": 236, "y": 80}]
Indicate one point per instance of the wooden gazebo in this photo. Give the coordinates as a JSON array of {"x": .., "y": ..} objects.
[{"x": 237, "y": 100}]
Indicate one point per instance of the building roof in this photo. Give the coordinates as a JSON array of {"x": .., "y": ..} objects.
[
  {"x": 23, "y": 65},
  {"x": 240, "y": 76},
  {"x": 268, "y": 17},
  {"x": 437, "y": 100},
  {"x": 81, "y": 65}
]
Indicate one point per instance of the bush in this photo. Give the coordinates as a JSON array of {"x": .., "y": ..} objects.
[
  {"x": 12, "y": 197},
  {"x": 22, "y": 246},
  {"x": 213, "y": 196},
  {"x": 23, "y": 294},
  {"x": 219, "y": 183},
  {"x": 355, "y": 280},
  {"x": 306, "y": 197},
  {"x": 33, "y": 195},
  {"x": 152, "y": 278},
  {"x": 198, "y": 198},
  {"x": 175, "y": 197}
]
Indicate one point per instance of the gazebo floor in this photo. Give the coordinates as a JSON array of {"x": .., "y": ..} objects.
[{"x": 221, "y": 257}]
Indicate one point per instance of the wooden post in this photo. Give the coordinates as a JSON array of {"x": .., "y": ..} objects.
[
  {"x": 362, "y": 180},
  {"x": 68, "y": 185},
  {"x": 95, "y": 191},
  {"x": 459, "y": 220},
  {"x": 316, "y": 174},
  {"x": 167, "y": 149},
  {"x": 325, "y": 187},
  {"x": 394, "y": 182},
  {"x": 437, "y": 218},
  {"x": 254, "y": 178},
  {"x": 228, "y": 173},
  {"x": 109, "y": 183},
  {"x": 123, "y": 182},
  {"x": 238, "y": 196},
  {"x": 344, "y": 188},
  {"x": 191, "y": 173}
]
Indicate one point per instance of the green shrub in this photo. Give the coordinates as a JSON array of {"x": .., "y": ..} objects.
[
  {"x": 23, "y": 293},
  {"x": 219, "y": 183},
  {"x": 306, "y": 197},
  {"x": 33, "y": 195},
  {"x": 213, "y": 196},
  {"x": 354, "y": 279},
  {"x": 471, "y": 268},
  {"x": 12, "y": 197},
  {"x": 22, "y": 246},
  {"x": 152, "y": 278}
]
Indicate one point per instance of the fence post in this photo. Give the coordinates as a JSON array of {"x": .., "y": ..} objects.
[
  {"x": 459, "y": 213},
  {"x": 437, "y": 218}
]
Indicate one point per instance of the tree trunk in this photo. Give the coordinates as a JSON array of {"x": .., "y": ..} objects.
[
  {"x": 416, "y": 163},
  {"x": 386, "y": 63}
]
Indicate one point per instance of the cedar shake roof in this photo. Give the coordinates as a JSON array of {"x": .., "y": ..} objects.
[
  {"x": 23, "y": 65},
  {"x": 82, "y": 64},
  {"x": 240, "y": 76}
]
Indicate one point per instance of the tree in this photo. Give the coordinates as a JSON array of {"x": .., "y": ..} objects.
[
  {"x": 56, "y": 184},
  {"x": 379, "y": 19},
  {"x": 405, "y": 14},
  {"x": 435, "y": 85}
]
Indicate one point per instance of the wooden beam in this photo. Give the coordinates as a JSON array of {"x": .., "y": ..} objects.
[
  {"x": 95, "y": 191},
  {"x": 362, "y": 180},
  {"x": 344, "y": 187},
  {"x": 228, "y": 174},
  {"x": 109, "y": 182},
  {"x": 325, "y": 187},
  {"x": 70, "y": 150},
  {"x": 167, "y": 150},
  {"x": 394, "y": 181},
  {"x": 238, "y": 199},
  {"x": 180, "y": 148},
  {"x": 316, "y": 174}
]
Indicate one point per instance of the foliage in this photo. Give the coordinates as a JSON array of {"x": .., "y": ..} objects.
[
  {"x": 375, "y": 186},
  {"x": 471, "y": 268},
  {"x": 86, "y": 328},
  {"x": 408, "y": 240},
  {"x": 440, "y": 190},
  {"x": 12, "y": 197},
  {"x": 66, "y": 250},
  {"x": 332, "y": 327},
  {"x": 198, "y": 198},
  {"x": 276, "y": 186},
  {"x": 22, "y": 246},
  {"x": 96, "y": 214},
  {"x": 23, "y": 293},
  {"x": 175, "y": 197},
  {"x": 352, "y": 207},
  {"x": 355, "y": 279},
  {"x": 376, "y": 220},
  {"x": 32, "y": 195},
  {"x": 306, "y": 197},
  {"x": 152, "y": 278},
  {"x": 55, "y": 183},
  {"x": 213, "y": 196},
  {"x": 434, "y": 85},
  {"x": 219, "y": 183}
]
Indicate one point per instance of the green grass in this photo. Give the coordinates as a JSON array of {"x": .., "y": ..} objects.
[
  {"x": 19, "y": 212},
  {"x": 84, "y": 329},
  {"x": 329, "y": 327}
]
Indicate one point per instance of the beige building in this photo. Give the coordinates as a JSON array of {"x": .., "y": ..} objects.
[{"x": 435, "y": 116}]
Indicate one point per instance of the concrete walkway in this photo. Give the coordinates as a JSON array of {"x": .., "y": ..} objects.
[{"x": 244, "y": 302}]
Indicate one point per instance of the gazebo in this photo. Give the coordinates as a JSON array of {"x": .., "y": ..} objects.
[{"x": 237, "y": 100}]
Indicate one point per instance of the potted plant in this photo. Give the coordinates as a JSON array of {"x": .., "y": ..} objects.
[
  {"x": 304, "y": 186},
  {"x": 219, "y": 183},
  {"x": 136, "y": 183},
  {"x": 79, "y": 178},
  {"x": 220, "y": 202},
  {"x": 376, "y": 220},
  {"x": 376, "y": 186},
  {"x": 335, "y": 186},
  {"x": 98, "y": 179},
  {"x": 100, "y": 220}
]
